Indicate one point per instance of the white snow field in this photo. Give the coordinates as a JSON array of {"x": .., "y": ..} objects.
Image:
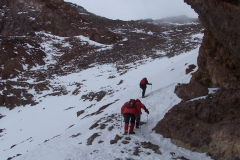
[{"x": 51, "y": 130}]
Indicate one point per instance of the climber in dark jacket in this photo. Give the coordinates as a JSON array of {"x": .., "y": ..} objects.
[{"x": 143, "y": 86}]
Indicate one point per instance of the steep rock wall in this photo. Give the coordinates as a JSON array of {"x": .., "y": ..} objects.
[
  {"x": 211, "y": 125},
  {"x": 208, "y": 125},
  {"x": 219, "y": 56}
]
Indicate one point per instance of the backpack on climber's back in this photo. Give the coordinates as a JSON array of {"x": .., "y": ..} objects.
[
  {"x": 143, "y": 81},
  {"x": 130, "y": 104}
]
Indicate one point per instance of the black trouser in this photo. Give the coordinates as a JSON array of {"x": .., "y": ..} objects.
[
  {"x": 129, "y": 116},
  {"x": 143, "y": 91},
  {"x": 138, "y": 120}
]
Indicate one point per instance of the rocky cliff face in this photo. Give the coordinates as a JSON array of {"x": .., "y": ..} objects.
[
  {"x": 211, "y": 125},
  {"x": 219, "y": 56}
]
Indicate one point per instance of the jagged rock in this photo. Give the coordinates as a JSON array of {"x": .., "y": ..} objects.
[
  {"x": 100, "y": 110},
  {"x": 80, "y": 112},
  {"x": 110, "y": 128},
  {"x": 113, "y": 141},
  {"x": 109, "y": 119},
  {"x": 1, "y": 116},
  {"x": 91, "y": 96},
  {"x": 100, "y": 141},
  {"x": 117, "y": 137},
  {"x": 9, "y": 158},
  {"x": 206, "y": 125},
  {"x": 121, "y": 81},
  {"x": 11, "y": 69},
  {"x": 91, "y": 139},
  {"x": 1, "y": 130},
  {"x": 102, "y": 35},
  {"x": 136, "y": 151},
  {"x": 217, "y": 66},
  {"x": 94, "y": 125},
  {"x": 190, "y": 68},
  {"x": 11, "y": 55},
  {"x": 2, "y": 100},
  {"x": 127, "y": 138},
  {"x": 12, "y": 101},
  {"x": 69, "y": 108},
  {"x": 125, "y": 142},
  {"x": 103, "y": 126},
  {"x": 41, "y": 87},
  {"x": 151, "y": 146},
  {"x": 172, "y": 153},
  {"x": 13, "y": 146},
  {"x": 190, "y": 91},
  {"x": 76, "y": 135},
  {"x": 71, "y": 126}
]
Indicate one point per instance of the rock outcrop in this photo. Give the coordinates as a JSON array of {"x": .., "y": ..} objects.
[
  {"x": 189, "y": 91},
  {"x": 211, "y": 125},
  {"x": 25, "y": 17},
  {"x": 219, "y": 58},
  {"x": 207, "y": 125}
]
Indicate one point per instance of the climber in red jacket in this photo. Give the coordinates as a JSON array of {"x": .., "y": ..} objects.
[
  {"x": 130, "y": 110},
  {"x": 143, "y": 86}
]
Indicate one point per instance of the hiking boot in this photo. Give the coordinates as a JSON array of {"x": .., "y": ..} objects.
[
  {"x": 137, "y": 126},
  {"x": 126, "y": 132},
  {"x": 132, "y": 132}
]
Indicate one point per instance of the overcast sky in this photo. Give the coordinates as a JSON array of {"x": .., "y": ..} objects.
[{"x": 136, "y": 9}]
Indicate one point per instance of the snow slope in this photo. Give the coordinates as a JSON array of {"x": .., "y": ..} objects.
[{"x": 51, "y": 130}]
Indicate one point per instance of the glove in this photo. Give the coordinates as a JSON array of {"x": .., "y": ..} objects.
[
  {"x": 147, "y": 112},
  {"x": 150, "y": 83}
]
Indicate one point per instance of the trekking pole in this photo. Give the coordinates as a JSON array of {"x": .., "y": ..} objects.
[
  {"x": 147, "y": 118},
  {"x": 151, "y": 88},
  {"x": 139, "y": 92},
  {"x": 140, "y": 125}
]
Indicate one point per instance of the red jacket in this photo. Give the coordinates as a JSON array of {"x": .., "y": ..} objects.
[
  {"x": 136, "y": 110},
  {"x": 143, "y": 83}
]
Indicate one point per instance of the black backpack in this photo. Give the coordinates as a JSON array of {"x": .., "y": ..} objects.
[{"x": 131, "y": 103}]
